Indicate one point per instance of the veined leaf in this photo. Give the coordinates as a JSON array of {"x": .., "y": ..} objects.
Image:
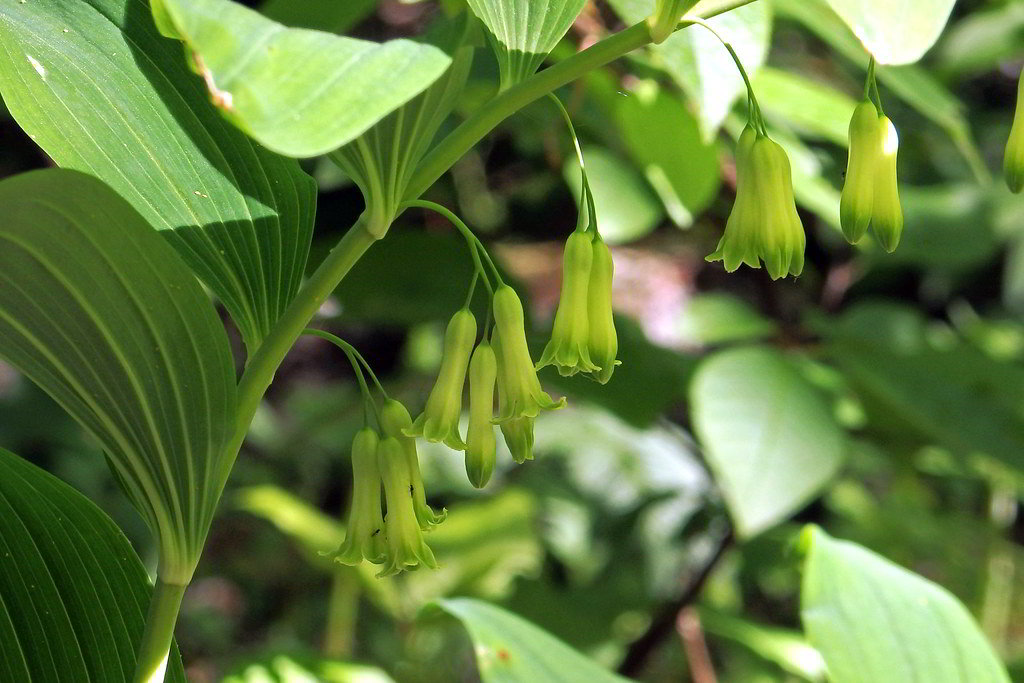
[
  {"x": 523, "y": 32},
  {"x": 509, "y": 648},
  {"x": 299, "y": 92},
  {"x": 768, "y": 436},
  {"x": 895, "y": 32},
  {"x": 875, "y": 622},
  {"x": 95, "y": 85},
  {"x": 103, "y": 315},
  {"x": 73, "y": 594}
]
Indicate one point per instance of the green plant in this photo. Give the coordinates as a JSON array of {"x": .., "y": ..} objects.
[{"x": 180, "y": 167}]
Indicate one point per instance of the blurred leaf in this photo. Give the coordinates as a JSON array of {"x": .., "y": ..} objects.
[
  {"x": 788, "y": 649},
  {"x": 768, "y": 436},
  {"x": 720, "y": 318},
  {"x": 508, "y": 648},
  {"x": 627, "y": 208},
  {"x": 523, "y": 32},
  {"x": 345, "y": 85},
  {"x": 895, "y": 32},
  {"x": 291, "y": 668},
  {"x": 102, "y": 314},
  {"x": 983, "y": 39},
  {"x": 73, "y": 594},
  {"x": 664, "y": 139},
  {"x": 912, "y": 84},
  {"x": 324, "y": 15},
  {"x": 814, "y": 109},
  {"x": 699, "y": 63},
  {"x": 875, "y": 622},
  {"x": 112, "y": 98}
]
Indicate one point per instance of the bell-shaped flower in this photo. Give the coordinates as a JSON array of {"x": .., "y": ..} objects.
[
  {"x": 518, "y": 377},
  {"x": 364, "y": 535},
  {"x": 396, "y": 423},
  {"x": 887, "y": 215},
  {"x": 857, "y": 202},
  {"x": 1013, "y": 160},
  {"x": 480, "y": 440},
  {"x": 604, "y": 342},
  {"x": 518, "y": 435},
  {"x": 406, "y": 547},
  {"x": 741, "y": 241},
  {"x": 782, "y": 234},
  {"x": 440, "y": 419},
  {"x": 569, "y": 347}
]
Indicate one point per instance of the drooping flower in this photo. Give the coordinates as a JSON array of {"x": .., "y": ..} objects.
[
  {"x": 396, "y": 422},
  {"x": 604, "y": 342},
  {"x": 1013, "y": 161},
  {"x": 782, "y": 240},
  {"x": 887, "y": 215},
  {"x": 364, "y": 535},
  {"x": 517, "y": 431},
  {"x": 406, "y": 547},
  {"x": 569, "y": 347},
  {"x": 518, "y": 377},
  {"x": 480, "y": 441},
  {"x": 741, "y": 241},
  {"x": 440, "y": 419},
  {"x": 857, "y": 202}
]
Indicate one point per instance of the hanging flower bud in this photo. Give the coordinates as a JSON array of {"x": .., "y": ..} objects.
[
  {"x": 887, "y": 215},
  {"x": 518, "y": 432},
  {"x": 524, "y": 396},
  {"x": 440, "y": 419},
  {"x": 741, "y": 241},
  {"x": 396, "y": 422},
  {"x": 604, "y": 342},
  {"x": 406, "y": 547},
  {"x": 1013, "y": 161},
  {"x": 782, "y": 234},
  {"x": 364, "y": 535},
  {"x": 856, "y": 205},
  {"x": 568, "y": 348},
  {"x": 480, "y": 441}
]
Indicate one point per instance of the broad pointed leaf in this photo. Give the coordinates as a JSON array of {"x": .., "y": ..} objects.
[
  {"x": 95, "y": 85},
  {"x": 875, "y": 622},
  {"x": 73, "y": 594},
  {"x": 768, "y": 436},
  {"x": 895, "y": 32},
  {"x": 100, "y": 312},
  {"x": 509, "y": 648},
  {"x": 299, "y": 92},
  {"x": 523, "y": 32}
]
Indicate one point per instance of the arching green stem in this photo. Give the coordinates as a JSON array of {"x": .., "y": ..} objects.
[{"x": 156, "y": 638}]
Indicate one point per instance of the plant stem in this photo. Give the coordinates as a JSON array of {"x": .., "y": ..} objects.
[
  {"x": 341, "y": 613},
  {"x": 156, "y": 639}
]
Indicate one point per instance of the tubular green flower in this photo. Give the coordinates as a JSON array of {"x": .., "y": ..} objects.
[
  {"x": 782, "y": 237},
  {"x": 568, "y": 348},
  {"x": 518, "y": 380},
  {"x": 1013, "y": 161},
  {"x": 604, "y": 342},
  {"x": 741, "y": 241},
  {"x": 406, "y": 546},
  {"x": 856, "y": 205},
  {"x": 480, "y": 441},
  {"x": 518, "y": 432},
  {"x": 364, "y": 535},
  {"x": 396, "y": 422},
  {"x": 440, "y": 419},
  {"x": 887, "y": 214}
]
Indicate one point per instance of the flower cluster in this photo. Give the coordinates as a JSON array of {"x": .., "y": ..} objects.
[
  {"x": 764, "y": 225},
  {"x": 871, "y": 196}
]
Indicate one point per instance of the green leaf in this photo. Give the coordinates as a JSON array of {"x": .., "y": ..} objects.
[
  {"x": 895, "y": 32},
  {"x": 627, "y": 208},
  {"x": 875, "y": 622},
  {"x": 94, "y": 84},
  {"x": 768, "y": 435},
  {"x": 73, "y": 594},
  {"x": 101, "y": 313},
  {"x": 814, "y": 109},
  {"x": 323, "y": 15},
  {"x": 509, "y": 648},
  {"x": 982, "y": 40},
  {"x": 523, "y": 32},
  {"x": 249, "y": 64},
  {"x": 720, "y": 318}
]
